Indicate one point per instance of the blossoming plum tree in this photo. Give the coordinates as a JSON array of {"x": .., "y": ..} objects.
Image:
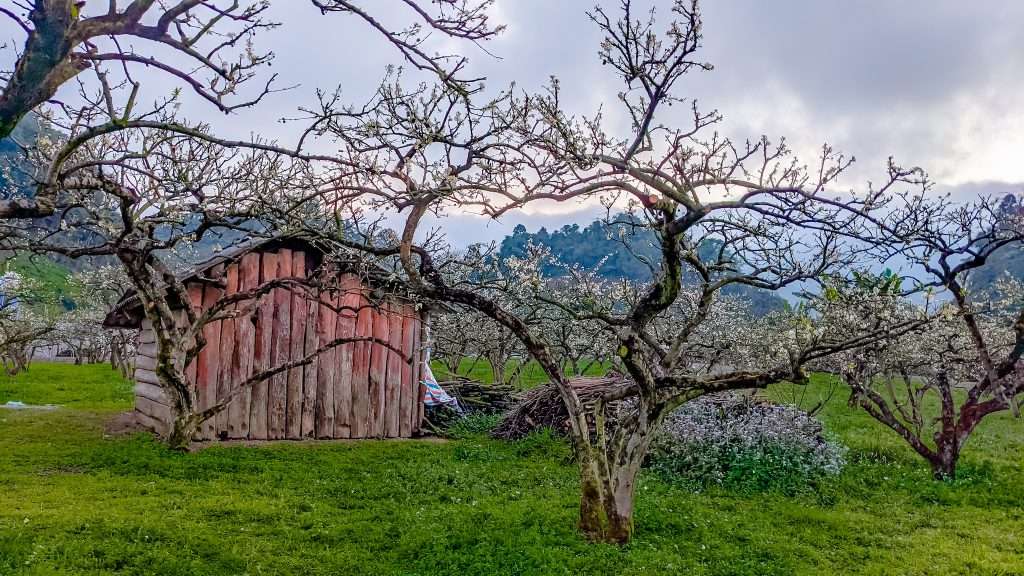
[
  {"x": 964, "y": 362},
  {"x": 775, "y": 221}
]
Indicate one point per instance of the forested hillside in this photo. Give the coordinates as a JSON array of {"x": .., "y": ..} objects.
[
  {"x": 1009, "y": 259},
  {"x": 15, "y": 178},
  {"x": 620, "y": 251}
]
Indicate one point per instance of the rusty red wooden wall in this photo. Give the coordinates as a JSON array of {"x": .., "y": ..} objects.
[{"x": 359, "y": 389}]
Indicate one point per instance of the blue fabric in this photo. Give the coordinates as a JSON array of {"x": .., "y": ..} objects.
[{"x": 433, "y": 394}]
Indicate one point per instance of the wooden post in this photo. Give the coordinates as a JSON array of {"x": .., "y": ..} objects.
[
  {"x": 417, "y": 370},
  {"x": 208, "y": 360},
  {"x": 351, "y": 296},
  {"x": 195, "y": 296},
  {"x": 242, "y": 362},
  {"x": 310, "y": 374},
  {"x": 225, "y": 379},
  {"x": 361, "y": 371},
  {"x": 378, "y": 371},
  {"x": 409, "y": 383}
]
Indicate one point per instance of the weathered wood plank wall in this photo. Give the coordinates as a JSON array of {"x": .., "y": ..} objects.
[{"x": 356, "y": 390}]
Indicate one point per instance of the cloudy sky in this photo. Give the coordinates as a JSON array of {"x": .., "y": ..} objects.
[{"x": 934, "y": 83}]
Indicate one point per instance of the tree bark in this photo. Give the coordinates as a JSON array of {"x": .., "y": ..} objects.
[
  {"x": 453, "y": 361},
  {"x": 497, "y": 362},
  {"x": 608, "y": 473},
  {"x": 183, "y": 430},
  {"x": 45, "y": 64},
  {"x": 944, "y": 462},
  {"x": 606, "y": 501}
]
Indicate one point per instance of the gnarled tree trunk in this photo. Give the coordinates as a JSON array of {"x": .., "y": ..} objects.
[
  {"x": 610, "y": 464},
  {"x": 943, "y": 462},
  {"x": 606, "y": 499}
]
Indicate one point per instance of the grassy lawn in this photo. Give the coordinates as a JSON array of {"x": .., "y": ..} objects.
[
  {"x": 530, "y": 376},
  {"x": 74, "y": 502}
]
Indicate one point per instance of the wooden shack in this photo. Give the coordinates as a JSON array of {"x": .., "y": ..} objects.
[{"x": 356, "y": 390}]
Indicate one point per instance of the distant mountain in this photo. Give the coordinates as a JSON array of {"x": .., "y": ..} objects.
[
  {"x": 15, "y": 173},
  {"x": 1009, "y": 259},
  {"x": 618, "y": 248}
]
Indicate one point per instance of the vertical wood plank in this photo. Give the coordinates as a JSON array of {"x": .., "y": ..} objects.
[
  {"x": 378, "y": 371},
  {"x": 146, "y": 336},
  {"x": 228, "y": 355},
  {"x": 195, "y": 296},
  {"x": 408, "y": 383},
  {"x": 239, "y": 415},
  {"x": 264, "y": 333},
  {"x": 393, "y": 378},
  {"x": 208, "y": 360},
  {"x": 361, "y": 371},
  {"x": 180, "y": 321},
  {"x": 417, "y": 370},
  {"x": 351, "y": 296},
  {"x": 326, "y": 322},
  {"x": 280, "y": 350},
  {"x": 310, "y": 373},
  {"x": 293, "y": 428}
]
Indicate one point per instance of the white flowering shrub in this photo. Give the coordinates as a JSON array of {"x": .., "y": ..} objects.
[{"x": 740, "y": 442}]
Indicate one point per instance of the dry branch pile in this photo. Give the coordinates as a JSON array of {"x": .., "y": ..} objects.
[
  {"x": 543, "y": 406},
  {"x": 473, "y": 397},
  {"x": 476, "y": 396}
]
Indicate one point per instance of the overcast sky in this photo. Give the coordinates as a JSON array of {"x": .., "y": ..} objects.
[{"x": 933, "y": 83}]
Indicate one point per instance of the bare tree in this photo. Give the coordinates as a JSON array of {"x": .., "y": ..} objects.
[
  {"x": 426, "y": 150},
  {"x": 211, "y": 42},
  {"x": 461, "y": 334},
  {"x": 65, "y": 37},
  {"x": 452, "y": 343}
]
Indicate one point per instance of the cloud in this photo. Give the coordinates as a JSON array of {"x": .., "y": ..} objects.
[
  {"x": 927, "y": 82},
  {"x": 930, "y": 82}
]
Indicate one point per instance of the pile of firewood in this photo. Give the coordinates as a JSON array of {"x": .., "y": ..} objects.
[
  {"x": 473, "y": 397},
  {"x": 543, "y": 407},
  {"x": 476, "y": 396}
]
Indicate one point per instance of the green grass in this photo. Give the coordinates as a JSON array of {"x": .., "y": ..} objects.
[
  {"x": 531, "y": 376},
  {"x": 91, "y": 387},
  {"x": 74, "y": 502},
  {"x": 52, "y": 277}
]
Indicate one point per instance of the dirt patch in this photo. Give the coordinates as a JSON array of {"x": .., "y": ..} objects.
[
  {"x": 127, "y": 423},
  {"x": 124, "y": 424},
  {"x": 197, "y": 446}
]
